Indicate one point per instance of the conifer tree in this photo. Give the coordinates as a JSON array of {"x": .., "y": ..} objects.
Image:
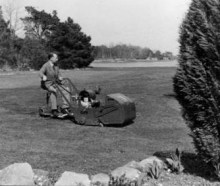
[
  {"x": 197, "y": 80},
  {"x": 74, "y": 47}
]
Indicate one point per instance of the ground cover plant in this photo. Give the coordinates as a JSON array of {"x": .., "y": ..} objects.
[{"x": 58, "y": 146}]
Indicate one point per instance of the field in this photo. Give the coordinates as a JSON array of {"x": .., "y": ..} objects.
[{"x": 56, "y": 145}]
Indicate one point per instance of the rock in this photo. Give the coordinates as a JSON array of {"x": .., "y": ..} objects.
[
  {"x": 73, "y": 179},
  {"x": 100, "y": 179},
  {"x": 133, "y": 164},
  {"x": 17, "y": 174},
  {"x": 146, "y": 163},
  {"x": 129, "y": 173}
]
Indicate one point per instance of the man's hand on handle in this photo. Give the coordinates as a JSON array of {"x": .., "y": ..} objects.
[{"x": 44, "y": 78}]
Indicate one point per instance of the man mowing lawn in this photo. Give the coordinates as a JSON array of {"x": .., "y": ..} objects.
[{"x": 50, "y": 75}]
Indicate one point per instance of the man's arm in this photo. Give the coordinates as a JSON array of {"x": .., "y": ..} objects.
[
  {"x": 42, "y": 73},
  {"x": 59, "y": 75}
]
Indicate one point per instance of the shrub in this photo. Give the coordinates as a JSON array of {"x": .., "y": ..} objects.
[
  {"x": 174, "y": 163},
  {"x": 154, "y": 170}
]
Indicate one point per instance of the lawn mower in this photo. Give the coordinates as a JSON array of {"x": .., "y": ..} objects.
[{"x": 117, "y": 109}]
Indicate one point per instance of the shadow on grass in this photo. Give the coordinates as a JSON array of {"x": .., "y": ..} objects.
[
  {"x": 84, "y": 121},
  {"x": 170, "y": 95},
  {"x": 120, "y": 125},
  {"x": 106, "y": 125},
  {"x": 192, "y": 164}
]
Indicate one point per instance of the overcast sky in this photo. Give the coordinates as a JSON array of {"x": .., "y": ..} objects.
[{"x": 146, "y": 23}]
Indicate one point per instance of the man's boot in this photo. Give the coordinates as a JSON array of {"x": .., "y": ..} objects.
[
  {"x": 68, "y": 112},
  {"x": 56, "y": 114}
]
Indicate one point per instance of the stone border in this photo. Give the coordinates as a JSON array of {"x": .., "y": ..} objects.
[{"x": 133, "y": 172}]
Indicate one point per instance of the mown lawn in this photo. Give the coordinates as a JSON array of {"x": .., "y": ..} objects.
[{"x": 56, "y": 145}]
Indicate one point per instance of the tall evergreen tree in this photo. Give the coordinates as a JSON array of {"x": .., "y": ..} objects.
[
  {"x": 197, "y": 80},
  {"x": 74, "y": 47}
]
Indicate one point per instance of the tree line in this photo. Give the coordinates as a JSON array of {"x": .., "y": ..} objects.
[
  {"x": 44, "y": 32},
  {"x": 123, "y": 51}
]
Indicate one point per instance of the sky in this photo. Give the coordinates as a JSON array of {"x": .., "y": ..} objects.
[{"x": 146, "y": 23}]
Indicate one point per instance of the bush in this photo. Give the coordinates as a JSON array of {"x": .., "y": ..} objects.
[
  {"x": 174, "y": 163},
  {"x": 154, "y": 170},
  {"x": 197, "y": 80}
]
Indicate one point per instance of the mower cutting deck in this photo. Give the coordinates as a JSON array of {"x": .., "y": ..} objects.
[{"x": 117, "y": 108}]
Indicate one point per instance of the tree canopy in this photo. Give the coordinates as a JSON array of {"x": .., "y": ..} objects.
[
  {"x": 45, "y": 32},
  {"x": 74, "y": 47}
]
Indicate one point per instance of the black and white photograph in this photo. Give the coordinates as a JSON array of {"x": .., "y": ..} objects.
[{"x": 110, "y": 92}]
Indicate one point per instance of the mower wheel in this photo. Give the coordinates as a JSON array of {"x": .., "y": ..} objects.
[{"x": 82, "y": 121}]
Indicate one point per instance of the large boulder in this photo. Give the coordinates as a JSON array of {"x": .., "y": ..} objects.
[
  {"x": 73, "y": 179},
  {"x": 17, "y": 174},
  {"x": 130, "y": 174},
  {"x": 148, "y": 162},
  {"x": 100, "y": 179}
]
